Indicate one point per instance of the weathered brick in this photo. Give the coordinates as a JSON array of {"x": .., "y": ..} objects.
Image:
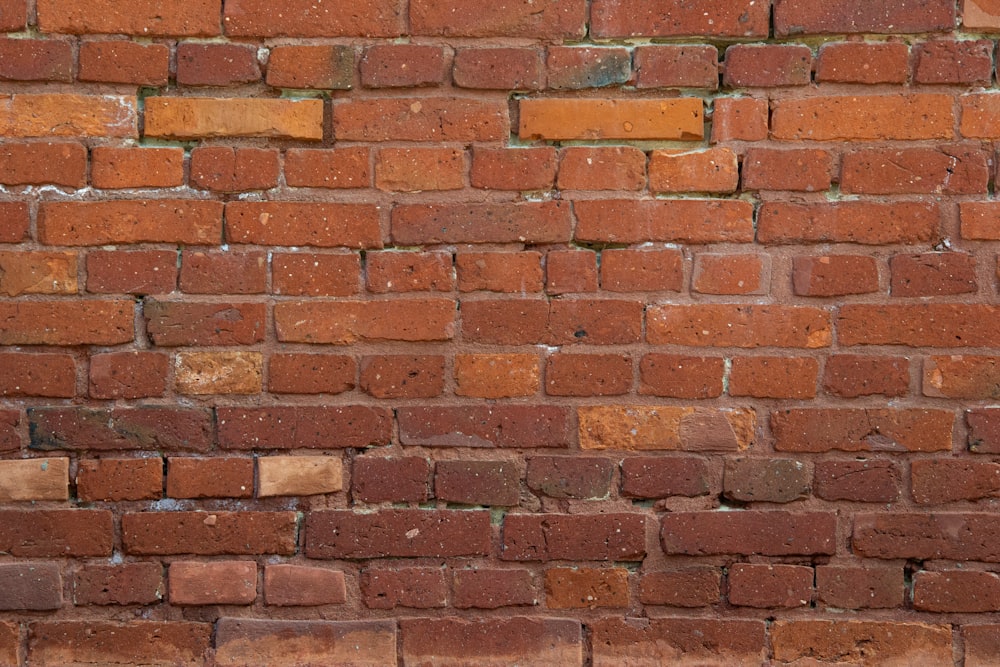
[
  {"x": 303, "y": 427},
  {"x": 745, "y": 326},
  {"x": 714, "y": 170},
  {"x": 49, "y": 375},
  {"x": 952, "y": 170},
  {"x": 798, "y": 169},
  {"x": 766, "y": 480},
  {"x": 569, "y": 271},
  {"x": 981, "y": 641},
  {"x": 525, "y": 426},
  {"x": 432, "y": 119},
  {"x": 377, "y": 479},
  {"x": 867, "y": 587},
  {"x": 419, "y": 169},
  {"x": 606, "y": 537},
  {"x": 331, "y": 168},
  {"x": 392, "y": 271},
  {"x": 865, "y": 118},
  {"x": 933, "y": 274},
  {"x": 218, "y": 582},
  {"x": 401, "y": 534},
  {"x": 556, "y": 119},
  {"x": 923, "y": 325},
  {"x": 552, "y": 19},
  {"x": 569, "y": 477},
  {"x": 575, "y": 67},
  {"x": 730, "y": 274},
  {"x": 980, "y": 14},
  {"x": 952, "y": 480},
  {"x": 834, "y": 275},
  {"x": 13, "y": 18},
  {"x": 30, "y": 587},
  {"x": 58, "y": 533},
  {"x": 774, "y": 377},
  {"x": 749, "y": 532},
  {"x": 586, "y": 588},
  {"x": 113, "y": 480},
  {"x": 611, "y": 168},
  {"x": 595, "y": 321},
  {"x": 10, "y": 436},
  {"x": 206, "y": 117},
  {"x": 135, "y": 374},
  {"x": 214, "y": 477},
  {"x": 680, "y": 641},
  {"x": 860, "y": 429},
  {"x": 328, "y": 67},
  {"x": 478, "y": 482},
  {"x": 208, "y": 533},
  {"x": 668, "y": 66},
  {"x": 247, "y": 642},
  {"x": 403, "y": 376},
  {"x": 865, "y": 481},
  {"x": 120, "y": 61},
  {"x": 138, "y": 642},
  {"x": 402, "y": 66},
  {"x": 767, "y": 65},
  {"x": 125, "y": 584},
  {"x": 678, "y": 376},
  {"x": 88, "y": 322},
  {"x": 295, "y": 373},
  {"x": 225, "y": 169},
  {"x": 145, "y": 18},
  {"x": 830, "y": 642},
  {"x": 500, "y": 68},
  {"x": 697, "y": 586},
  {"x": 962, "y": 376},
  {"x": 119, "y": 168},
  {"x": 321, "y": 224},
  {"x": 525, "y": 222},
  {"x": 152, "y": 428},
  {"x": 487, "y": 588},
  {"x": 301, "y": 18},
  {"x": 980, "y": 113},
  {"x": 505, "y": 322},
  {"x": 863, "y": 62},
  {"x": 927, "y": 535},
  {"x": 130, "y": 221},
  {"x": 203, "y": 373},
  {"x": 496, "y": 375},
  {"x": 984, "y": 430},
  {"x": 314, "y": 274},
  {"x": 675, "y": 18},
  {"x": 499, "y": 272},
  {"x": 131, "y": 272},
  {"x": 656, "y": 477},
  {"x": 770, "y": 586},
  {"x": 960, "y": 62},
  {"x": 793, "y": 17},
  {"x": 513, "y": 168},
  {"x": 298, "y": 475},
  {"x": 216, "y": 64},
  {"x": 34, "y": 479},
  {"x": 14, "y": 221},
  {"x": 588, "y": 375},
  {"x": 980, "y": 221},
  {"x": 739, "y": 119},
  {"x": 344, "y": 322},
  {"x": 667, "y": 221},
  {"x": 451, "y": 642},
  {"x": 41, "y": 163},
  {"x": 414, "y": 587},
  {"x": 174, "y": 323},
  {"x": 850, "y": 376},
  {"x": 303, "y": 586},
  {"x": 956, "y": 591},
  {"x": 664, "y": 428},
  {"x": 66, "y": 115},
  {"x": 223, "y": 272},
  {"x": 863, "y": 222}
]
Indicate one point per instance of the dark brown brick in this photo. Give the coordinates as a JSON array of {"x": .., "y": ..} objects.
[
  {"x": 659, "y": 477},
  {"x": 414, "y": 587},
  {"x": 283, "y": 427},
  {"x": 866, "y": 481},
  {"x": 698, "y": 586},
  {"x": 30, "y": 587},
  {"x": 768, "y": 533},
  {"x": 143, "y": 428},
  {"x": 376, "y": 479},
  {"x": 125, "y": 584},
  {"x": 400, "y": 534},
  {"x": 570, "y": 477},
  {"x": 209, "y": 533},
  {"x": 500, "y": 426},
  {"x": 67, "y": 533},
  {"x": 612, "y": 537}
]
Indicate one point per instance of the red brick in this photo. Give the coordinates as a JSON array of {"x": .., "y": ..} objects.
[
  {"x": 112, "y": 480},
  {"x": 419, "y": 169},
  {"x": 569, "y": 477},
  {"x": 860, "y": 429},
  {"x": 863, "y": 222},
  {"x": 677, "y": 641},
  {"x": 933, "y": 274},
  {"x": 97, "y": 642},
  {"x": 858, "y": 16},
  {"x": 312, "y": 274},
  {"x": 635, "y": 427},
  {"x": 956, "y": 591},
  {"x": 496, "y": 375},
  {"x": 174, "y": 323},
  {"x": 152, "y": 428},
  {"x": 433, "y": 119},
  {"x": 223, "y": 272},
  {"x": 209, "y": 477},
  {"x": 344, "y": 322},
  {"x": 610, "y": 168},
  {"x": 749, "y": 532},
  {"x": 569, "y": 271},
  {"x": 224, "y": 169},
  {"x": 331, "y": 168},
  {"x": 586, "y": 588},
  {"x": 676, "y": 18},
  {"x": 865, "y": 481},
  {"x": 950, "y": 480},
  {"x": 925, "y": 536},
  {"x": 802, "y": 170},
  {"x": 948, "y": 170},
  {"x": 243, "y": 642},
  {"x": 595, "y": 322},
  {"x": 982, "y": 642},
  {"x": 401, "y": 534},
  {"x": 35, "y": 60},
  {"x": 730, "y": 274},
  {"x": 515, "y": 272},
  {"x": 321, "y": 66},
  {"x": 551, "y": 19},
  {"x": 745, "y": 326},
  {"x": 588, "y": 375},
  {"x": 14, "y": 222},
  {"x": 499, "y": 68},
  {"x": 862, "y": 62},
  {"x": 219, "y": 582},
  {"x": 885, "y": 642},
  {"x": 667, "y": 221},
  {"x": 575, "y": 67},
  {"x": 403, "y": 376},
  {"x": 513, "y": 168},
  {"x": 555, "y": 119},
  {"x": 739, "y": 119},
  {"x": 90, "y": 322},
  {"x": 478, "y": 482},
  {"x": 208, "y": 533},
  {"x": 404, "y": 479},
  {"x": 27, "y": 272},
  {"x": 859, "y": 587},
  {"x": 117, "y": 168},
  {"x": 687, "y": 66},
  {"x": 30, "y": 587},
  {"x": 767, "y": 65},
  {"x": 216, "y": 64},
  {"x": 642, "y": 270},
  {"x": 714, "y": 170},
  {"x": 770, "y": 586},
  {"x": 864, "y": 118},
  {"x": 301, "y": 18},
  {"x": 402, "y": 66},
  {"x": 604, "y": 537},
  {"x": 57, "y": 533},
  {"x": 303, "y": 427},
  {"x": 48, "y": 375},
  {"x": 698, "y": 586},
  {"x": 131, "y": 272},
  {"x": 126, "y": 584},
  {"x": 450, "y": 642},
  {"x": 414, "y": 587},
  {"x": 144, "y": 18},
  {"x": 774, "y": 377},
  {"x": 961, "y": 376},
  {"x": 834, "y": 275},
  {"x": 122, "y": 61},
  {"x": 658, "y": 477},
  {"x": 132, "y": 221},
  {"x": 13, "y": 17},
  {"x": 65, "y": 115},
  {"x": 958, "y": 62},
  {"x": 984, "y": 430},
  {"x": 766, "y": 480},
  {"x": 678, "y": 376},
  {"x": 850, "y": 376},
  {"x": 980, "y": 221},
  {"x": 302, "y": 586},
  {"x": 482, "y": 588},
  {"x": 37, "y": 163},
  {"x": 387, "y": 272},
  {"x": 980, "y": 113},
  {"x": 321, "y": 224},
  {"x": 295, "y": 373},
  {"x": 523, "y": 222},
  {"x": 918, "y": 325},
  {"x": 519, "y": 426}
]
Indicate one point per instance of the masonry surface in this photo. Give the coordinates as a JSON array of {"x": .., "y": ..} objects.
[{"x": 493, "y": 332}]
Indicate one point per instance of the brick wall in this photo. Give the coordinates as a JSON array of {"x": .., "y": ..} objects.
[{"x": 536, "y": 332}]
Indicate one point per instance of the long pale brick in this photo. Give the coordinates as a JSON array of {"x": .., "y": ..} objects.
[
  {"x": 298, "y": 475},
  {"x": 677, "y": 641},
  {"x": 864, "y": 118},
  {"x": 494, "y": 642},
  {"x": 263, "y": 643},
  {"x": 34, "y": 479},
  {"x": 187, "y": 222},
  {"x": 206, "y": 117},
  {"x": 66, "y": 115},
  {"x": 679, "y": 118},
  {"x": 97, "y": 642}
]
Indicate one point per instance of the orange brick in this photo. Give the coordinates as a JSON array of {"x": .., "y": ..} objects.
[
  {"x": 27, "y": 272},
  {"x": 586, "y": 588},
  {"x": 714, "y": 170},
  {"x": 64, "y": 115},
  {"x": 204, "y": 117},
  {"x": 865, "y": 118},
  {"x": 748, "y": 326},
  {"x": 421, "y": 119},
  {"x": 34, "y": 479},
  {"x": 730, "y": 274},
  {"x": 774, "y": 377},
  {"x": 614, "y": 168},
  {"x": 343, "y": 322},
  {"x": 635, "y": 427},
  {"x": 417, "y": 169},
  {"x": 319, "y": 224},
  {"x": 217, "y": 373},
  {"x": 496, "y": 375},
  {"x": 563, "y": 119},
  {"x": 739, "y": 119},
  {"x": 112, "y": 168},
  {"x": 499, "y": 271}
]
